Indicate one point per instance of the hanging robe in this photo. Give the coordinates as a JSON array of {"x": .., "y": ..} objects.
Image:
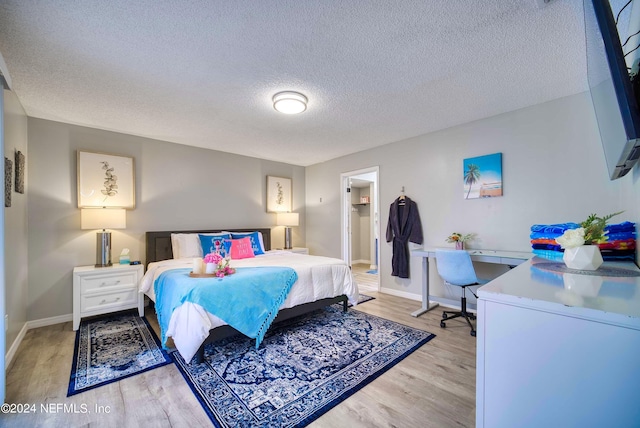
[{"x": 404, "y": 226}]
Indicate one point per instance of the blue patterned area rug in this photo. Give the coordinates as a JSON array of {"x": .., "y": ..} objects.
[
  {"x": 361, "y": 299},
  {"x": 303, "y": 368},
  {"x": 112, "y": 348}
]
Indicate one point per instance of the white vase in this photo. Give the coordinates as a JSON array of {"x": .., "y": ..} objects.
[
  {"x": 586, "y": 257},
  {"x": 210, "y": 268}
]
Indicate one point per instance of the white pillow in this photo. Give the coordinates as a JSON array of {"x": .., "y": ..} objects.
[{"x": 185, "y": 245}]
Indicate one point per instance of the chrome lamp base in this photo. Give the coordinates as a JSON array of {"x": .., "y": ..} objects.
[
  {"x": 287, "y": 239},
  {"x": 103, "y": 249}
]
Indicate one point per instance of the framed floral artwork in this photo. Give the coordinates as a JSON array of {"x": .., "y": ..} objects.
[
  {"x": 278, "y": 194},
  {"x": 8, "y": 175},
  {"x": 105, "y": 180},
  {"x": 20, "y": 161}
]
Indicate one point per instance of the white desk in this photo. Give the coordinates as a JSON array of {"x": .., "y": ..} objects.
[
  {"x": 558, "y": 349},
  {"x": 510, "y": 258}
]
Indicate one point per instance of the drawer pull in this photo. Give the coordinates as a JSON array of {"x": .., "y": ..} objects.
[
  {"x": 104, "y": 301},
  {"x": 104, "y": 284}
]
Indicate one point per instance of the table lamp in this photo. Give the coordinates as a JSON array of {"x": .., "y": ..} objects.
[
  {"x": 287, "y": 220},
  {"x": 103, "y": 218}
]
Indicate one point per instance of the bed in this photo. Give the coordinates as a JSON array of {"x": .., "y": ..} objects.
[{"x": 321, "y": 281}]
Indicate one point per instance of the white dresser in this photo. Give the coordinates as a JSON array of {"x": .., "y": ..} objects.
[
  {"x": 102, "y": 290},
  {"x": 558, "y": 349}
]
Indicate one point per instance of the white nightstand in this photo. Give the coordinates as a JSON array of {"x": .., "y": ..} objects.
[
  {"x": 106, "y": 289},
  {"x": 299, "y": 250}
]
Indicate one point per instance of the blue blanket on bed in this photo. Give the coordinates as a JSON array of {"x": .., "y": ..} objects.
[{"x": 247, "y": 300}]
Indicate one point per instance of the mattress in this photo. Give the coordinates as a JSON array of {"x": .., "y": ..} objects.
[{"x": 318, "y": 278}]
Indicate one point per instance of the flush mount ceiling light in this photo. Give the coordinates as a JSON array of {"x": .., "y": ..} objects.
[{"x": 290, "y": 102}]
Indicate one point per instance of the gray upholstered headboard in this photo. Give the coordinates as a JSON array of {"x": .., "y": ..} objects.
[{"x": 158, "y": 244}]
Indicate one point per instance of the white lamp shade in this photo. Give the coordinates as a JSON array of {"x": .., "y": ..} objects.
[
  {"x": 103, "y": 218},
  {"x": 287, "y": 219}
]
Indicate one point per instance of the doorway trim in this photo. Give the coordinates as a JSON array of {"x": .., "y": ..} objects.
[{"x": 345, "y": 210}]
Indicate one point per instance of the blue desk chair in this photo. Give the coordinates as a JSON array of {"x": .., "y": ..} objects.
[{"x": 456, "y": 268}]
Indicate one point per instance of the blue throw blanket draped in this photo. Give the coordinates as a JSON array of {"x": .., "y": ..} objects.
[{"x": 247, "y": 300}]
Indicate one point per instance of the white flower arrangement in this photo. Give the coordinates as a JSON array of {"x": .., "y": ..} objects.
[
  {"x": 572, "y": 238},
  {"x": 591, "y": 232}
]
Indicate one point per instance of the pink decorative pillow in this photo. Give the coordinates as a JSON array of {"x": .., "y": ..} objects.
[{"x": 241, "y": 248}]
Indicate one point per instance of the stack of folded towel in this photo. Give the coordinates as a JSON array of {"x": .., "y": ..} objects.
[
  {"x": 621, "y": 242},
  {"x": 543, "y": 239},
  {"x": 620, "y": 245}
]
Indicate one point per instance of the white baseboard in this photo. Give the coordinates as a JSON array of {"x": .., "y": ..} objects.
[
  {"x": 393, "y": 292},
  {"x": 443, "y": 301},
  {"x": 8, "y": 358},
  {"x": 43, "y": 322},
  {"x": 452, "y": 303},
  {"x": 360, "y": 262}
]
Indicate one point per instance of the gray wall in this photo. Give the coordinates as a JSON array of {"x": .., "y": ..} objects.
[
  {"x": 177, "y": 187},
  {"x": 15, "y": 222},
  {"x": 553, "y": 171}
]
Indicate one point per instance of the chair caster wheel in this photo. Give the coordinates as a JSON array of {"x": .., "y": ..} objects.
[
  {"x": 444, "y": 316},
  {"x": 442, "y": 324},
  {"x": 473, "y": 333}
]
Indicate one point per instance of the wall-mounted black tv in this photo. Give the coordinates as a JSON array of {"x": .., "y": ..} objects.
[{"x": 611, "y": 88}]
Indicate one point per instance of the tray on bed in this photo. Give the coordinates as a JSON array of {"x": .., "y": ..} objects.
[{"x": 201, "y": 275}]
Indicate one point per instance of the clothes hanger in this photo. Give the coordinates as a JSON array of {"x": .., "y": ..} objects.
[{"x": 401, "y": 198}]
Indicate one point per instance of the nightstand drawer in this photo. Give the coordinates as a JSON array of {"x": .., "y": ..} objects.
[
  {"x": 103, "y": 290},
  {"x": 105, "y": 282},
  {"x": 95, "y": 302}
]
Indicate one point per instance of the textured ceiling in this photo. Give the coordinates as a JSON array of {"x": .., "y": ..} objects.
[{"x": 202, "y": 73}]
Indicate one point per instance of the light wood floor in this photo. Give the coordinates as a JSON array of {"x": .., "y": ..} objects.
[
  {"x": 432, "y": 387},
  {"x": 365, "y": 280}
]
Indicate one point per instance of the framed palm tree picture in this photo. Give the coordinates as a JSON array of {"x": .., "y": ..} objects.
[{"x": 483, "y": 176}]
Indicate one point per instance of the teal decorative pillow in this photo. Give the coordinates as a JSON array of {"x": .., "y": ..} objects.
[
  {"x": 256, "y": 241},
  {"x": 220, "y": 244}
]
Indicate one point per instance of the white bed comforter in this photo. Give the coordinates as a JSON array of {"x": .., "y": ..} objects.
[{"x": 318, "y": 278}]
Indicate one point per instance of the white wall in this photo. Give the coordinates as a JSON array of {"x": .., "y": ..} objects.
[
  {"x": 177, "y": 188},
  {"x": 15, "y": 221},
  {"x": 360, "y": 227},
  {"x": 364, "y": 211},
  {"x": 355, "y": 225},
  {"x": 553, "y": 171}
]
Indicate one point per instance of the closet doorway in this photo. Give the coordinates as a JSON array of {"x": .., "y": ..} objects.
[{"x": 361, "y": 226}]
